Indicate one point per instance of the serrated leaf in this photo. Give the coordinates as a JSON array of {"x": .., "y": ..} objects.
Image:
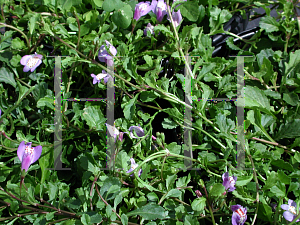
[
  {"x": 46, "y": 101},
  {"x": 7, "y": 77},
  {"x": 289, "y": 130},
  {"x": 32, "y": 22},
  {"x": 169, "y": 124},
  {"x": 110, "y": 181},
  {"x": 269, "y": 24},
  {"x": 190, "y": 10},
  {"x": 149, "y": 212},
  {"x": 93, "y": 117}
]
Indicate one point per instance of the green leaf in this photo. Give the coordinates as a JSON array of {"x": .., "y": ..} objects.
[
  {"x": 163, "y": 29},
  {"x": 282, "y": 164},
  {"x": 217, "y": 190},
  {"x": 110, "y": 181},
  {"x": 85, "y": 219},
  {"x": 148, "y": 96},
  {"x": 256, "y": 98},
  {"x": 229, "y": 42},
  {"x": 190, "y": 10},
  {"x": 243, "y": 180},
  {"x": 289, "y": 130},
  {"x": 149, "y": 212},
  {"x": 7, "y": 77},
  {"x": 111, "y": 5},
  {"x": 283, "y": 177},
  {"x": 98, "y": 3},
  {"x": 93, "y": 117},
  {"x": 269, "y": 24},
  {"x": 17, "y": 43},
  {"x": 198, "y": 204},
  {"x": 277, "y": 191},
  {"x": 124, "y": 219},
  {"x": 170, "y": 181},
  {"x": 173, "y": 193},
  {"x": 32, "y": 22},
  {"x": 122, "y": 17},
  {"x": 67, "y": 4},
  {"x": 169, "y": 124},
  {"x": 291, "y": 98},
  {"x": 46, "y": 101},
  {"x": 129, "y": 108}
]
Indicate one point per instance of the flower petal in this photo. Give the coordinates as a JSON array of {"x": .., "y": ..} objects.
[
  {"x": 25, "y": 59},
  {"x": 288, "y": 216},
  {"x": 36, "y": 153},
  {"x": 21, "y": 150},
  {"x": 36, "y": 65},
  {"x": 26, "y": 162},
  {"x": 285, "y": 207}
]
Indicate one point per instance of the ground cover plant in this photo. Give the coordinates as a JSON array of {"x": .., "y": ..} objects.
[{"x": 182, "y": 139}]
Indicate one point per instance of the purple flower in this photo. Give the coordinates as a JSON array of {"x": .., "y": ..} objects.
[
  {"x": 159, "y": 8},
  {"x": 97, "y": 78},
  {"x": 239, "y": 215},
  {"x": 198, "y": 193},
  {"x": 141, "y": 9},
  {"x": 150, "y": 28},
  {"x": 114, "y": 132},
  {"x": 133, "y": 166},
  {"x": 291, "y": 210},
  {"x": 31, "y": 62},
  {"x": 229, "y": 181},
  {"x": 106, "y": 57},
  {"x": 176, "y": 16},
  {"x": 138, "y": 130},
  {"x": 28, "y": 154},
  {"x": 0, "y": 113}
]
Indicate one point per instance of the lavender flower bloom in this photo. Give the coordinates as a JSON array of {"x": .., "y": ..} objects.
[
  {"x": 291, "y": 210},
  {"x": 138, "y": 130},
  {"x": 31, "y": 62},
  {"x": 97, "y": 78},
  {"x": 106, "y": 57},
  {"x": 28, "y": 154},
  {"x": 133, "y": 166},
  {"x": 239, "y": 215},
  {"x": 141, "y": 9},
  {"x": 114, "y": 132},
  {"x": 176, "y": 16},
  {"x": 229, "y": 181},
  {"x": 159, "y": 8},
  {"x": 150, "y": 28}
]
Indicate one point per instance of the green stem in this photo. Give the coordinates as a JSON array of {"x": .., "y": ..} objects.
[
  {"x": 257, "y": 189},
  {"x": 18, "y": 102},
  {"x": 14, "y": 28},
  {"x": 212, "y": 137}
]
